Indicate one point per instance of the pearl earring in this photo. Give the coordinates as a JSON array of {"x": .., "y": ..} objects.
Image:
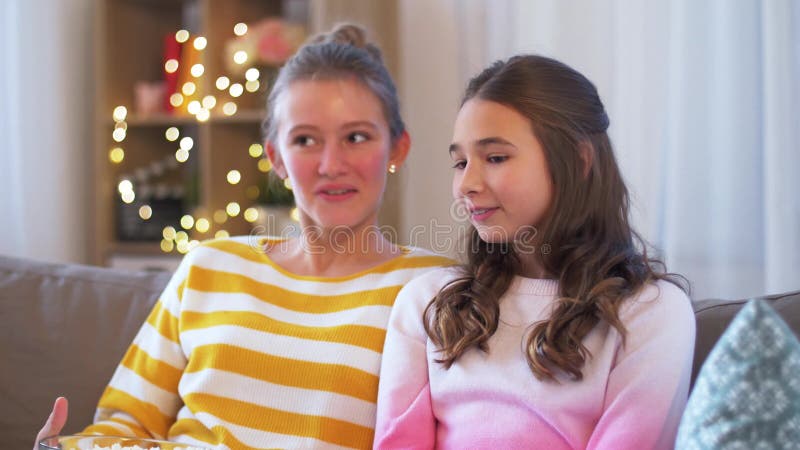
[{"x": 392, "y": 168}]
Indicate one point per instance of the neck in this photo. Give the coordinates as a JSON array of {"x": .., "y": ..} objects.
[
  {"x": 531, "y": 266},
  {"x": 337, "y": 252}
]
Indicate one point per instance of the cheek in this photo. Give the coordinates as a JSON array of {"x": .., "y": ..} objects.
[{"x": 372, "y": 166}]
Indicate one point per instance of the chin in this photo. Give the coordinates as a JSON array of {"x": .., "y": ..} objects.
[{"x": 493, "y": 234}]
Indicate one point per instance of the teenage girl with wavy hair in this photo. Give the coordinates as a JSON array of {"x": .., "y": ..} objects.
[{"x": 559, "y": 332}]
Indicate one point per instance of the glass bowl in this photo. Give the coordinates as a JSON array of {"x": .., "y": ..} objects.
[{"x": 78, "y": 442}]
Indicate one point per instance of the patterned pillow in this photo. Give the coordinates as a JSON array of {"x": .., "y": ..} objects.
[{"x": 747, "y": 394}]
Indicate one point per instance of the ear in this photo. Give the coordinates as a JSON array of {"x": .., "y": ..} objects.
[
  {"x": 586, "y": 151},
  {"x": 275, "y": 158},
  {"x": 400, "y": 149}
]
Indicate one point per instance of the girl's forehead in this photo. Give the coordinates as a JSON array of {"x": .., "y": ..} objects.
[{"x": 338, "y": 100}]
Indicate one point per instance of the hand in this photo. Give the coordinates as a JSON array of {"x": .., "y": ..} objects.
[{"x": 55, "y": 422}]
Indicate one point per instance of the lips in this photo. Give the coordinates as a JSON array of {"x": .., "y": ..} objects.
[
  {"x": 336, "y": 192},
  {"x": 482, "y": 213}
]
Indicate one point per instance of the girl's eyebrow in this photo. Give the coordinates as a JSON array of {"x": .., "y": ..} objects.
[
  {"x": 360, "y": 123},
  {"x": 354, "y": 124},
  {"x": 483, "y": 142}
]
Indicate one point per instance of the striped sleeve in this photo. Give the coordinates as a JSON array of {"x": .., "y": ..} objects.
[{"x": 142, "y": 397}]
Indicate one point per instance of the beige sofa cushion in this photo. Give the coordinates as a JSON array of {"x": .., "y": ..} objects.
[{"x": 63, "y": 330}]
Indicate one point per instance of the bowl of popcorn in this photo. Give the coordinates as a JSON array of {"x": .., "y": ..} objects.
[{"x": 85, "y": 442}]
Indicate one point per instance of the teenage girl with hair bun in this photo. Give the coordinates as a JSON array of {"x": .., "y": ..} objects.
[{"x": 276, "y": 343}]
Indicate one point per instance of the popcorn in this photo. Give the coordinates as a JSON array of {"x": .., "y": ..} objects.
[{"x": 136, "y": 447}]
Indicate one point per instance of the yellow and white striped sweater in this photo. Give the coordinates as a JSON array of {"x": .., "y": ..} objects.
[{"x": 239, "y": 353}]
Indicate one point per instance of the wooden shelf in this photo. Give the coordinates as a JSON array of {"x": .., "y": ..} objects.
[
  {"x": 129, "y": 45},
  {"x": 167, "y": 120}
]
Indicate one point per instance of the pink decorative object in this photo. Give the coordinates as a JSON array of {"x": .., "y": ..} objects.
[
  {"x": 268, "y": 42},
  {"x": 149, "y": 97}
]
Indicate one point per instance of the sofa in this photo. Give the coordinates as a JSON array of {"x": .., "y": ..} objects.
[{"x": 64, "y": 328}]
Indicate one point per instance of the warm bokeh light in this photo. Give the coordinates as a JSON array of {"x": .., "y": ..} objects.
[
  {"x": 295, "y": 214},
  {"x": 120, "y": 112},
  {"x": 182, "y": 247},
  {"x": 119, "y": 134},
  {"x": 188, "y": 88},
  {"x": 236, "y": 90},
  {"x": 197, "y": 70},
  {"x": 181, "y": 236},
  {"x": 255, "y": 150},
  {"x": 168, "y": 233},
  {"x": 202, "y": 225},
  {"x": 233, "y": 209},
  {"x": 252, "y": 86},
  {"x": 125, "y": 186},
  {"x": 209, "y": 102},
  {"x": 264, "y": 165},
  {"x": 234, "y": 176},
  {"x": 251, "y": 215},
  {"x": 172, "y": 134},
  {"x": 171, "y": 66},
  {"x": 194, "y": 107},
  {"x": 223, "y": 83},
  {"x": 145, "y": 212},
  {"x": 187, "y": 143},
  {"x": 182, "y": 36},
  {"x": 287, "y": 183},
  {"x": 252, "y": 74},
  {"x": 176, "y": 99},
  {"x": 116, "y": 155},
  {"x": 222, "y": 234},
  {"x": 240, "y": 57},
  {"x": 200, "y": 42},
  {"x": 121, "y": 124},
  {"x": 182, "y": 155},
  {"x": 167, "y": 245},
  {"x": 187, "y": 221},
  {"x": 203, "y": 115},
  {"x": 229, "y": 108},
  {"x": 220, "y": 216},
  {"x": 252, "y": 192},
  {"x": 128, "y": 196},
  {"x": 240, "y": 29}
]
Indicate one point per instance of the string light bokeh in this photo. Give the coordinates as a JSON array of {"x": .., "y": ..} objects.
[{"x": 190, "y": 100}]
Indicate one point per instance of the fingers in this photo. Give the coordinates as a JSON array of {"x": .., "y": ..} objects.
[
  {"x": 60, "y": 410},
  {"x": 55, "y": 421}
]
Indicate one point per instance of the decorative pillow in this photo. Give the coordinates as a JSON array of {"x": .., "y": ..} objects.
[{"x": 747, "y": 394}]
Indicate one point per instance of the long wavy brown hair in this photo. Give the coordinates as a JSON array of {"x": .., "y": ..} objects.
[{"x": 593, "y": 252}]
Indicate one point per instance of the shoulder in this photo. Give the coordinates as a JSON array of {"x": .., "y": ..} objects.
[
  {"x": 425, "y": 258},
  {"x": 660, "y": 303},
  {"x": 418, "y": 292}
]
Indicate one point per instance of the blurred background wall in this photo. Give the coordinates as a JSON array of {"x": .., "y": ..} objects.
[{"x": 703, "y": 99}]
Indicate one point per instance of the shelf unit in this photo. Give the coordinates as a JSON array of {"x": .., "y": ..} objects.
[{"x": 129, "y": 41}]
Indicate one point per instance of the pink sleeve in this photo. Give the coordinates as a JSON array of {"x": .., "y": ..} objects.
[
  {"x": 405, "y": 418},
  {"x": 649, "y": 383}
]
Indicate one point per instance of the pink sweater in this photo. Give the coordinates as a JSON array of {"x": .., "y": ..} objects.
[{"x": 630, "y": 397}]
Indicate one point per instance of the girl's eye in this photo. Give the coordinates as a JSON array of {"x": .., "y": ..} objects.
[
  {"x": 356, "y": 138},
  {"x": 304, "y": 140},
  {"x": 460, "y": 164},
  {"x": 496, "y": 159}
]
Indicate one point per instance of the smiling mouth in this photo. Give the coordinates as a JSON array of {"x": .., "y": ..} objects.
[{"x": 337, "y": 191}]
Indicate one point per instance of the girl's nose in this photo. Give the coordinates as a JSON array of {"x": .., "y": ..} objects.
[{"x": 332, "y": 162}]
